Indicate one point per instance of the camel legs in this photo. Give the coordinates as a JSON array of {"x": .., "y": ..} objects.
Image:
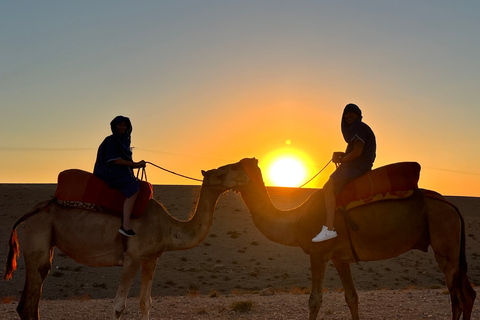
[
  {"x": 318, "y": 265},
  {"x": 469, "y": 295},
  {"x": 148, "y": 270},
  {"x": 447, "y": 239},
  {"x": 351, "y": 296},
  {"x": 130, "y": 268},
  {"x": 452, "y": 277},
  {"x": 38, "y": 255},
  {"x": 462, "y": 295}
]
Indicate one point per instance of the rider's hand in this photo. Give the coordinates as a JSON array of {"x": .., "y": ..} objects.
[
  {"x": 337, "y": 157},
  {"x": 140, "y": 164}
]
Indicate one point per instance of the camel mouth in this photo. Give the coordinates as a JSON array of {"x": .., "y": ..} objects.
[
  {"x": 240, "y": 184},
  {"x": 237, "y": 189},
  {"x": 227, "y": 177},
  {"x": 236, "y": 180}
]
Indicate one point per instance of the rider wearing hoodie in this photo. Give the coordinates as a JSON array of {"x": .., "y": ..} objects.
[
  {"x": 114, "y": 165},
  {"x": 357, "y": 160}
]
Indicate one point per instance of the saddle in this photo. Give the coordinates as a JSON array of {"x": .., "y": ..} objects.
[
  {"x": 393, "y": 181},
  {"x": 78, "y": 188}
]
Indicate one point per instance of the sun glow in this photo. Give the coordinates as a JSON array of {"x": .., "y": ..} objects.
[{"x": 287, "y": 172}]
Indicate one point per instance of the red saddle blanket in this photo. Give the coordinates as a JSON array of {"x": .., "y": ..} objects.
[
  {"x": 81, "y": 186},
  {"x": 390, "y": 181}
]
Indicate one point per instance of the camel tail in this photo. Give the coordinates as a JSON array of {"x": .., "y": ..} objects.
[
  {"x": 13, "y": 254},
  {"x": 14, "y": 247},
  {"x": 463, "y": 256}
]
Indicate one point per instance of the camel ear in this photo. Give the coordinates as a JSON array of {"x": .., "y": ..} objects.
[{"x": 203, "y": 173}]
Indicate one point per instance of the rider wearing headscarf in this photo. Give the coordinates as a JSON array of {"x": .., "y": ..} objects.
[
  {"x": 114, "y": 147},
  {"x": 114, "y": 165}
]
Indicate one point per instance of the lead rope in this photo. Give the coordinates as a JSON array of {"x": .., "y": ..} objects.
[
  {"x": 180, "y": 175},
  {"x": 298, "y": 188},
  {"x": 143, "y": 174},
  {"x": 316, "y": 174}
]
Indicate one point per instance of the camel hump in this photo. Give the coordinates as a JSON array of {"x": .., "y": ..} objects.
[
  {"x": 80, "y": 186},
  {"x": 391, "y": 181}
]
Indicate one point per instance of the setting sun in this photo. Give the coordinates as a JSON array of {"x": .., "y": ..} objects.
[{"x": 287, "y": 172}]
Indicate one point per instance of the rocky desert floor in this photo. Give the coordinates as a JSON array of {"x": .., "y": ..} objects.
[{"x": 223, "y": 276}]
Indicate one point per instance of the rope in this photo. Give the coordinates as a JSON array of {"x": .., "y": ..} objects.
[
  {"x": 316, "y": 174},
  {"x": 181, "y": 175},
  {"x": 144, "y": 173},
  {"x": 298, "y": 188}
]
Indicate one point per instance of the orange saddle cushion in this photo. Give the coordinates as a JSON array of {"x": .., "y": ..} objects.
[
  {"x": 80, "y": 186},
  {"x": 391, "y": 179}
]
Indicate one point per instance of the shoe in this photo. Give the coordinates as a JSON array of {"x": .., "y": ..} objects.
[
  {"x": 128, "y": 233},
  {"x": 325, "y": 234}
]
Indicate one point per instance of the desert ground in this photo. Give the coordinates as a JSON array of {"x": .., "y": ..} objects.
[{"x": 225, "y": 276}]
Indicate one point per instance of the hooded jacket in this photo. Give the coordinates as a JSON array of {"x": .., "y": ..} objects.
[
  {"x": 114, "y": 147},
  {"x": 359, "y": 130}
]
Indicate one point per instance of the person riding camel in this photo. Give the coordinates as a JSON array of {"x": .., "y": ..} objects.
[
  {"x": 357, "y": 160},
  {"x": 114, "y": 165}
]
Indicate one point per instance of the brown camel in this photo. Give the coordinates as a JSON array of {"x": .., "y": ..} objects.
[
  {"x": 92, "y": 238},
  {"x": 385, "y": 230}
]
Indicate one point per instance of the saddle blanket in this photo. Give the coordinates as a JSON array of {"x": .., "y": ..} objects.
[
  {"x": 78, "y": 186},
  {"x": 393, "y": 181}
]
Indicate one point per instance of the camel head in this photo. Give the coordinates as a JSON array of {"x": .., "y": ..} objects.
[
  {"x": 247, "y": 167},
  {"x": 225, "y": 178}
]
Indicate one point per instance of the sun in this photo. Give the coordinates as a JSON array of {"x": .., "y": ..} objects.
[{"x": 287, "y": 172}]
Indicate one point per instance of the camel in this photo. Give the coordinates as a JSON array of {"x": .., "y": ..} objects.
[
  {"x": 92, "y": 238},
  {"x": 384, "y": 230}
]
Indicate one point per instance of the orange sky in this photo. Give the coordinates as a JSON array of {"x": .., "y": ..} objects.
[{"x": 209, "y": 83}]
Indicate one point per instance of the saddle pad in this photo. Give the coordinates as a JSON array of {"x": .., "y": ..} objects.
[
  {"x": 391, "y": 195},
  {"x": 80, "y": 186},
  {"x": 391, "y": 179}
]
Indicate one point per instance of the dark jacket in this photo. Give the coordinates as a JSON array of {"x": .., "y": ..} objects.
[{"x": 114, "y": 147}]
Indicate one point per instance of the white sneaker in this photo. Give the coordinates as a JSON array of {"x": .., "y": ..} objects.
[{"x": 325, "y": 234}]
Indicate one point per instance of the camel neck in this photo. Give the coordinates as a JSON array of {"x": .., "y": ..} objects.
[
  {"x": 277, "y": 225},
  {"x": 188, "y": 234}
]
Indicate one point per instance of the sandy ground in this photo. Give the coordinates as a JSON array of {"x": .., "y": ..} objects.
[{"x": 236, "y": 261}]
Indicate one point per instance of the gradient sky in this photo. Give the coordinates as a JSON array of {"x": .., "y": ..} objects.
[{"x": 206, "y": 83}]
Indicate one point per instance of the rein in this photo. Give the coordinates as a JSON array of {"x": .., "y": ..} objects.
[
  {"x": 153, "y": 164},
  {"x": 298, "y": 188},
  {"x": 316, "y": 174},
  {"x": 143, "y": 173}
]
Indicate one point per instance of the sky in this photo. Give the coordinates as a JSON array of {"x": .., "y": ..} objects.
[{"x": 207, "y": 83}]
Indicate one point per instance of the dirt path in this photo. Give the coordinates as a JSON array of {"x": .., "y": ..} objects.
[{"x": 374, "y": 305}]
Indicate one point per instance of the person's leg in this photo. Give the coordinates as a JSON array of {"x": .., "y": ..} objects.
[
  {"x": 330, "y": 202},
  {"x": 130, "y": 188},
  {"x": 127, "y": 210},
  {"x": 340, "y": 177}
]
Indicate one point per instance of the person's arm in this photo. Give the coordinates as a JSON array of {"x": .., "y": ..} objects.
[
  {"x": 356, "y": 152},
  {"x": 127, "y": 163}
]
